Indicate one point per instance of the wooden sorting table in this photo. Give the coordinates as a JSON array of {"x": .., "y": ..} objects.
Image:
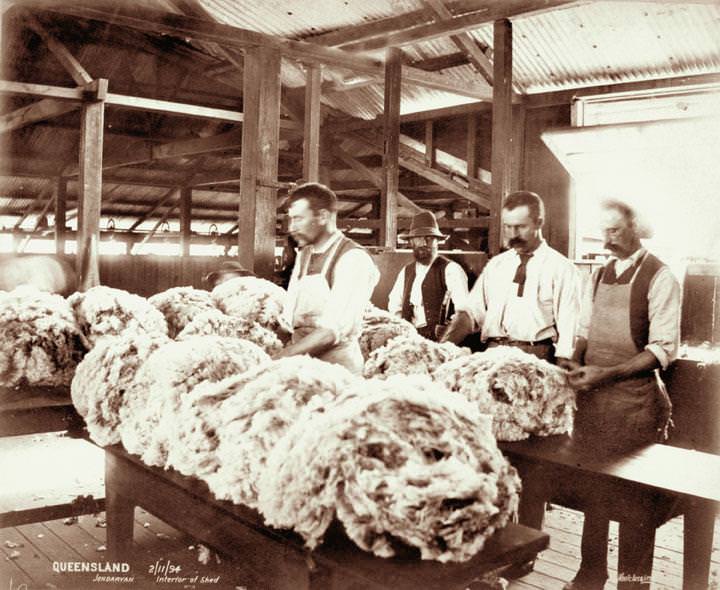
[
  {"x": 28, "y": 410},
  {"x": 187, "y": 504},
  {"x": 633, "y": 484},
  {"x": 34, "y": 411}
]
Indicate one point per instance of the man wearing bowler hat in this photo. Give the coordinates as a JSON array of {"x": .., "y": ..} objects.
[
  {"x": 229, "y": 269},
  {"x": 427, "y": 290}
]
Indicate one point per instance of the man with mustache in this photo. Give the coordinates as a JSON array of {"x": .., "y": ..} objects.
[
  {"x": 426, "y": 291},
  {"x": 331, "y": 282},
  {"x": 527, "y": 296},
  {"x": 628, "y": 329}
]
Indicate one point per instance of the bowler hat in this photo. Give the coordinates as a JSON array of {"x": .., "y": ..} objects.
[
  {"x": 423, "y": 224},
  {"x": 228, "y": 267}
]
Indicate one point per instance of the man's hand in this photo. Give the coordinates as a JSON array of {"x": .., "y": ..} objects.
[
  {"x": 567, "y": 364},
  {"x": 588, "y": 377},
  {"x": 460, "y": 327}
]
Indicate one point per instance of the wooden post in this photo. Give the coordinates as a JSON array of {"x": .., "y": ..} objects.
[
  {"x": 391, "y": 153},
  {"x": 90, "y": 189},
  {"x": 60, "y": 216},
  {"x": 311, "y": 137},
  {"x": 471, "y": 146},
  {"x": 501, "y": 127},
  {"x": 429, "y": 144},
  {"x": 185, "y": 219},
  {"x": 258, "y": 173}
]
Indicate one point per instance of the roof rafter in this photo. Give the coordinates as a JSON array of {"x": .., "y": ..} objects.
[{"x": 159, "y": 22}]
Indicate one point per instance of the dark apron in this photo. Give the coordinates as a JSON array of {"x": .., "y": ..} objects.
[{"x": 626, "y": 413}]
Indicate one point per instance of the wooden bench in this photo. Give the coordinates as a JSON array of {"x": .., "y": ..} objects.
[
  {"x": 631, "y": 485},
  {"x": 186, "y": 504}
]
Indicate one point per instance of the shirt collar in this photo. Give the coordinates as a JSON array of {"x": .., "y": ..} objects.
[
  {"x": 632, "y": 259},
  {"x": 540, "y": 250},
  {"x": 334, "y": 237}
]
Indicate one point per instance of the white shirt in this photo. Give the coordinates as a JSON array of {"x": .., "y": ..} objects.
[
  {"x": 354, "y": 280},
  {"x": 664, "y": 304},
  {"x": 455, "y": 280},
  {"x": 548, "y": 308}
]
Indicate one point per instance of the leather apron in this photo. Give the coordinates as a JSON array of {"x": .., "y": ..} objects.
[
  {"x": 313, "y": 294},
  {"x": 625, "y": 413}
]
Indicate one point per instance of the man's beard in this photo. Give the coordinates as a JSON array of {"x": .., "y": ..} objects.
[{"x": 423, "y": 254}]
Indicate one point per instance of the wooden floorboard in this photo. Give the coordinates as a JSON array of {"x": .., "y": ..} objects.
[{"x": 43, "y": 543}]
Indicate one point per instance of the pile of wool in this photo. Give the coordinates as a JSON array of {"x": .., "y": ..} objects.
[
  {"x": 180, "y": 305},
  {"x": 253, "y": 299},
  {"x": 149, "y": 414},
  {"x": 410, "y": 355},
  {"x": 524, "y": 395},
  {"x": 379, "y": 326},
  {"x": 402, "y": 462},
  {"x": 41, "y": 343},
  {"x": 257, "y": 417},
  {"x": 105, "y": 311},
  {"x": 103, "y": 377},
  {"x": 216, "y": 323}
]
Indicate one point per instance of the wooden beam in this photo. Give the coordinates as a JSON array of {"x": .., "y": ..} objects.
[
  {"x": 172, "y": 108},
  {"x": 429, "y": 144},
  {"x": 356, "y": 124},
  {"x": 374, "y": 177},
  {"x": 465, "y": 42},
  {"x": 45, "y": 108},
  {"x": 466, "y": 22},
  {"x": 311, "y": 137},
  {"x": 38, "y": 222},
  {"x": 471, "y": 146},
  {"x": 60, "y": 215},
  {"x": 442, "y": 62},
  {"x": 159, "y": 22},
  {"x": 377, "y": 28},
  {"x": 435, "y": 81},
  {"x": 41, "y": 196},
  {"x": 161, "y": 203},
  {"x": 185, "y": 220},
  {"x": 501, "y": 128},
  {"x": 414, "y": 161},
  {"x": 258, "y": 200},
  {"x": 391, "y": 151},
  {"x": 90, "y": 193},
  {"x": 67, "y": 59},
  {"x": 158, "y": 223},
  {"x": 10, "y": 87},
  {"x": 142, "y": 152}
]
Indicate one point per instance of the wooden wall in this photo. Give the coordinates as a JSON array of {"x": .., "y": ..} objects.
[
  {"x": 544, "y": 174},
  {"x": 147, "y": 275},
  {"x": 143, "y": 275}
]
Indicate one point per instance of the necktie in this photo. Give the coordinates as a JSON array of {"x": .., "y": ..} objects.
[{"x": 521, "y": 274}]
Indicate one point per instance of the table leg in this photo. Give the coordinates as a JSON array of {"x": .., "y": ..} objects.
[
  {"x": 119, "y": 516},
  {"x": 698, "y": 525}
]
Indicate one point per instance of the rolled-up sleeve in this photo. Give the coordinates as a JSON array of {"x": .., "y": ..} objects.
[
  {"x": 291, "y": 297},
  {"x": 586, "y": 305},
  {"x": 475, "y": 303},
  {"x": 664, "y": 303},
  {"x": 355, "y": 278},
  {"x": 457, "y": 284},
  {"x": 566, "y": 304},
  {"x": 395, "y": 299}
]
